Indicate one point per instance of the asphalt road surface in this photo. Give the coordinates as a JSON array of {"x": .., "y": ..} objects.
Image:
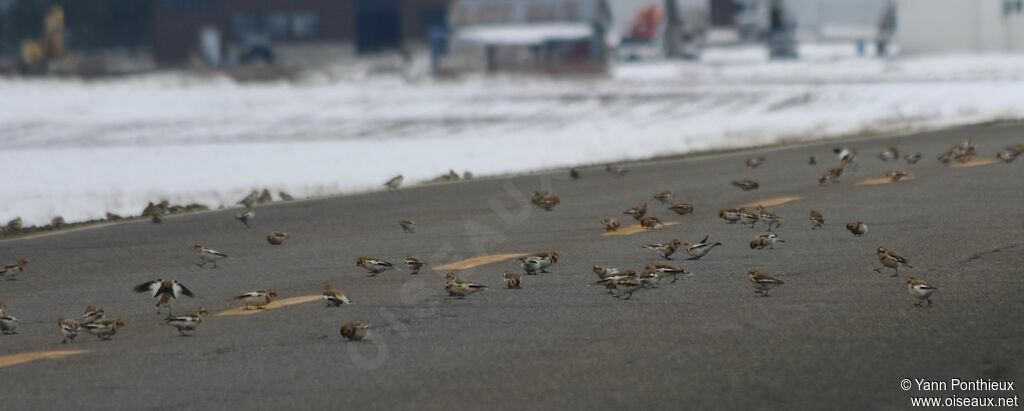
[{"x": 837, "y": 335}]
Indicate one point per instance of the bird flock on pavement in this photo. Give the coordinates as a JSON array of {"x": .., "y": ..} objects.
[{"x": 619, "y": 283}]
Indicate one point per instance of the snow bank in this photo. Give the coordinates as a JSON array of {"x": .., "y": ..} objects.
[{"x": 80, "y": 149}]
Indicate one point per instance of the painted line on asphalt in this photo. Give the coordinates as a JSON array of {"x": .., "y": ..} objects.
[
  {"x": 882, "y": 181},
  {"x": 773, "y": 201},
  {"x": 478, "y": 261},
  {"x": 15, "y": 359},
  {"x": 975, "y": 163},
  {"x": 273, "y": 305},
  {"x": 633, "y": 229}
]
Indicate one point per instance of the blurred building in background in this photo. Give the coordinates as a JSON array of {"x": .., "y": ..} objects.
[{"x": 947, "y": 26}]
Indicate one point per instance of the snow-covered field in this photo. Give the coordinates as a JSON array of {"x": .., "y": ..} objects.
[{"x": 82, "y": 148}]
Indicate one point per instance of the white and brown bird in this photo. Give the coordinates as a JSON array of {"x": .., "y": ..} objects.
[
  {"x": 817, "y": 219},
  {"x": 664, "y": 250},
  {"x": 625, "y": 285},
  {"x": 891, "y": 260},
  {"x": 830, "y": 176},
  {"x": 164, "y": 291},
  {"x": 730, "y": 215},
  {"x": 11, "y": 272},
  {"x": 896, "y": 175},
  {"x": 921, "y": 290},
  {"x": 747, "y": 185},
  {"x": 649, "y": 278},
  {"x": 616, "y": 170},
  {"x": 700, "y": 249},
  {"x": 574, "y": 174},
  {"x": 91, "y": 314},
  {"x": 461, "y": 289},
  {"x": 247, "y": 216},
  {"x": 354, "y": 331},
  {"x": 846, "y": 157},
  {"x": 1010, "y": 153},
  {"x": 682, "y": 208},
  {"x": 104, "y": 329},
  {"x": 754, "y": 162},
  {"x": 890, "y": 154},
  {"x": 549, "y": 203},
  {"x": 259, "y": 298},
  {"x": 665, "y": 197},
  {"x": 513, "y": 281},
  {"x": 333, "y": 297},
  {"x": 69, "y": 328},
  {"x": 912, "y": 158},
  {"x": 207, "y": 255},
  {"x": 187, "y": 322},
  {"x": 603, "y": 272},
  {"x": 394, "y": 182},
  {"x": 277, "y": 238},
  {"x": 408, "y": 226},
  {"x": 610, "y": 224},
  {"x": 666, "y": 270},
  {"x": 650, "y": 222},
  {"x": 748, "y": 217},
  {"x": 531, "y": 264},
  {"x": 762, "y": 282},
  {"x": 765, "y": 240},
  {"x": 857, "y": 228},
  {"x": 8, "y": 323},
  {"x": 638, "y": 211},
  {"x": 374, "y": 266},
  {"x": 545, "y": 260},
  {"x": 769, "y": 217},
  {"x": 414, "y": 263}
]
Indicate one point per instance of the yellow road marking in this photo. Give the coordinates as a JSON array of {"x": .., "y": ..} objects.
[
  {"x": 975, "y": 163},
  {"x": 478, "y": 261},
  {"x": 881, "y": 180},
  {"x": 633, "y": 229},
  {"x": 15, "y": 359},
  {"x": 773, "y": 201},
  {"x": 273, "y": 304}
]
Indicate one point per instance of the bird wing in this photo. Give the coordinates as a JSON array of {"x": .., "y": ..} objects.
[
  {"x": 248, "y": 294},
  {"x": 214, "y": 252},
  {"x": 179, "y": 289},
  {"x": 151, "y": 286}
]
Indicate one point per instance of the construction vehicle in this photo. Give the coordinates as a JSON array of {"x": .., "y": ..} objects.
[{"x": 37, "y": 54}]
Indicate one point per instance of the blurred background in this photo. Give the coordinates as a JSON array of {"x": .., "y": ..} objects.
[{"x": 109, "y": 105}]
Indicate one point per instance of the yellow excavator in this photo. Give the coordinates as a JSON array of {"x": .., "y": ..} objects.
[{"x": 36, "y": 54}]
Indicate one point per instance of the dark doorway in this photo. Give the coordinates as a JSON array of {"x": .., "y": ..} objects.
[{"x": 378, "y": 25}]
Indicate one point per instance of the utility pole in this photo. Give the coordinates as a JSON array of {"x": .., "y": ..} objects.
[{"x": 673, "y": 31}]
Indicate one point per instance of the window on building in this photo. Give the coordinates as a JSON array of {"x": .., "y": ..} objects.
[
  {"x": 305, "y": 24},
  {"x": 244, "y": 24},
  {"x": 275, "y": 25}
]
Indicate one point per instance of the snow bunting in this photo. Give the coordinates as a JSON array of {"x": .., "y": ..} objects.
[
  {"x": 606, "y": 272},
  {"x": 666, "y": 270},
  {"x": 754, "y": 162},
  {"x": 830, "y": 176},
  {"x": 374, "y": 265},
  {"x": 891, "y": 260},
  {"x": 912, "y": 158},
  {"x": 746, "y": 185},
  {"x": 462, "y": 289},
  {"x": 408, "y": 226},
  {"x": 890, "y": 154},
  {"x": 921, "y": 290},
  {"x": 333, "y": 297},
  {"x": 247, "y": 216},
  {"x": 415, "y": 263},
  {"x": 549, "y": 203},
  {"x": 846, "y": 156},
  {"x": 747, "y": 217},
  {"x": 207, "y": 255},
  {"x": 858, "y": 228},
  {"x": 699, "y": 250},
  {"x": 394, "y": 182},
  {"x": 638, "y": 211},
  {"x": 546, "y": 259},
  {"x": 610, "y": 224},
  {"x": 682, "y": 208},
  {"x": 574, "y": 174},
  {"x": 69, "y": 328},
  {"x": 164, "y": 291},
  {"x": 11, "y": 272},
  {"x": 765, "y": 240},
  {"x": 649, "y": 278},
  {"x": 104, "y": 329},
  {"x": 664, "y": 250},
  {"x": 8, "y": 324},
  {"x": 762, "y": 282},
  {"x": 277, "y": 238},
  {"x": 817, "y": 219},
  {"x": 650, "y": 222},
  {"x": 354, "y": 331},
  {"x": 1009, "y": 154},
  {"x": 626, "y": 285},
  {"x": 91, "y": 314},
  {"x": 730, "y": 215},
  {"x": 537, "y": 195},
  {"x": 896, "y": 175},
  {"x": 615, "y": 170},
  {"x": 451, "y": 277},
  {"x": 664, "y": 197},
  {"x": 768, "y": 216},
  {"x": 531, "y": 264},
  {"x": 513, "y": 281},
  {"x": 187, "y": 322},
  {"x": 258, "y": 298}
]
